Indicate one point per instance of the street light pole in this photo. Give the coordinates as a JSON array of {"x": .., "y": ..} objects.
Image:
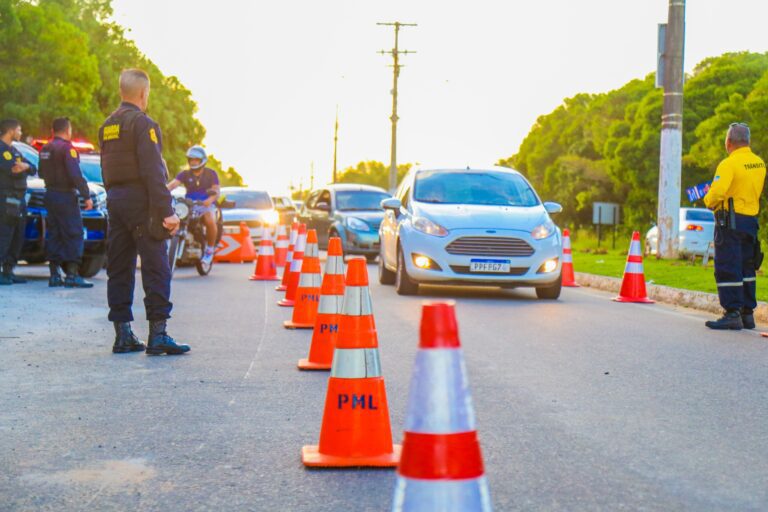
[
  {"x": 335, "y": 142},
  {"x": 671, "y": 149},
  {"x": 395, "y": 52}
]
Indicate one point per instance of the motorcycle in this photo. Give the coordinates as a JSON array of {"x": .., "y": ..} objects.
[{"x": 188, "y": 245}]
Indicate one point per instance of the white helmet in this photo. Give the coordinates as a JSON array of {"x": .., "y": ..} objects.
[{"x": 199, "y": 153}]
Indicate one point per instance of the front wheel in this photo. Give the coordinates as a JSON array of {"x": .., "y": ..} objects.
[
  {"x": 404, "y": 285},
  {"x": 91, "y": 265},
  {"x": 551, "y": 292},
  {"x": 386, "y": 276},
  {"x": 174, "y": 247},
  {"x": 203, "y": 268}
]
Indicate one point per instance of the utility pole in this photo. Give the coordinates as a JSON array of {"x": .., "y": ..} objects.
[
  {"x": 671, "y": 153},
  {"x": 395, "y": 52},
  {"x": 335, "y": 142}
]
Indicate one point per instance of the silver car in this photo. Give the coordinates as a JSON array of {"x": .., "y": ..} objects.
[
  {"x": 474, "y": 226},
  {"x": 697, "y": 230},
  {"x": 254, "y": 207}
]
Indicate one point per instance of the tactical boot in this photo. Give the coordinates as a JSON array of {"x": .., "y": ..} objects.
[
  {"x": 73, "y": 279},
  {"x": 55, "y": 279},
  {"x": 731, "y": 320},
  {"x": 748, "y": 319},
  {"x": 125, "y": 340},
  {"x": 8, "y": 274},
  {"x": 160, "y": 343}
]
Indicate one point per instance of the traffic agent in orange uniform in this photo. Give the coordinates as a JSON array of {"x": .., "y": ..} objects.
[{"x": 735, "y": 198}]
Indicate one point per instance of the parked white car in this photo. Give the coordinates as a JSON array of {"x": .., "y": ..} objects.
[
  {"x": 697, "y": 230},
  {"x": 473, "y": 226}
]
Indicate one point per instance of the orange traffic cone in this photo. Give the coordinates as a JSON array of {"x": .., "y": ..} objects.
[
  {"x": 265, "y": 268},
  {"x": 293, "y": 277},
  {"x": 355, "y": 429},
  {"x": 281, "y": 246},
  {"x": 283, "y": 286},
  {"x": 569, "y": 278},
  {"x": 308, "y": 289},
  {"x": 633, "y": 286},
  {"x": 441, "y": 468},
  {"x": 327, "y": 322}
]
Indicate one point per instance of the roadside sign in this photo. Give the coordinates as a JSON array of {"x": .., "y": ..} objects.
[{"x": 605, "y": 214}]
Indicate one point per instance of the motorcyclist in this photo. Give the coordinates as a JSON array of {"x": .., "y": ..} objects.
[{"x": 202, "y": 184}]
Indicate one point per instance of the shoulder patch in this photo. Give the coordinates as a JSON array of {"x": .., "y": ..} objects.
[
  {"x": 111, "y": 132},
  {"x": 153, "y": 135},
  {"x": 73, "y": 153},
  {"x": 7, "y": 155}
]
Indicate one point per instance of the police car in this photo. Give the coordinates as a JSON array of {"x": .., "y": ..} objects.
[{"x": 95, "y": 221}]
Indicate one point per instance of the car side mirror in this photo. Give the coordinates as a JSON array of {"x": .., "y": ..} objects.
[
  {"x": 227, "y": 204},
  {"x": 553, "y": 208},
  {"x": 392, "y": 203},
  {"x": 323, "y": 206}
]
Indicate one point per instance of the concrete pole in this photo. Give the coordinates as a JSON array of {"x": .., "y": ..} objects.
[
  {"x": 335, "y": 143},
  {"x": 671, "y": 149}
]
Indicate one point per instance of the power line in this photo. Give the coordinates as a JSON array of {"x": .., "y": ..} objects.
[{"x": 395, "y": 52}]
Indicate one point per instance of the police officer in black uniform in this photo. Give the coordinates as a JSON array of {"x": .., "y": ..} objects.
[
  {"x": 141, "y": 218},
  {"x": 60, "y": 168},
  {"x": 14, "y": 169}
]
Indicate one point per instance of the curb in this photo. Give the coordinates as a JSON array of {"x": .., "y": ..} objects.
[{"x": 702, "y": 301}]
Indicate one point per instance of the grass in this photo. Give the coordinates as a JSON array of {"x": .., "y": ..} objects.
[{"x": 676, "y": 273}]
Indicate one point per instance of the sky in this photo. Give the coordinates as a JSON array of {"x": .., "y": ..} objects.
[{"x": 268, "y": 76}]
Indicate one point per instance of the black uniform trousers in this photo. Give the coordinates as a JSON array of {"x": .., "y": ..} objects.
[
  {"x": 128, "y": 209},
  {"x": 12, "y": 229},
  {"x": 734, "y": 264},
  {"x": 65, "y": 227}
]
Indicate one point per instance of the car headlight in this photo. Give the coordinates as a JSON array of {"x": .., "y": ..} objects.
[
  {"x": 357, "y": 224},
  {"x": 181, "y": 209},
  {"x": 543, "y": 231},
  {"x": 428, "y": 227},
  {"x": 271, "y": 217}
]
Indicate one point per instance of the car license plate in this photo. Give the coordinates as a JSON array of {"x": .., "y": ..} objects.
[{"x": 489, "y": 266}]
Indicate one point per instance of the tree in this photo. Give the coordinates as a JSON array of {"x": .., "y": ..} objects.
[{"x": 372, "y": 173}]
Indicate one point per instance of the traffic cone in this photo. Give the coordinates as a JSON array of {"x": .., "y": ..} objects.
[
  {"x": 441, "y": 468},
  {"x": 328, "y": 312},
  {"x": 355, "y": 429},
  {"x": 308, "y": 289},
  {"x": 569, "y": 278},
  {"x": 265, "y": 268},
  {"x": 293, "y": 278},
  {"x": 281, "y": 246},
  {"x": 283, "y": 286},
  {"x": 633, "y": 286}
]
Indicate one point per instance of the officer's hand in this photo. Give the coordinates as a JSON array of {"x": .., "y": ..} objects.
[
  {"x": 172, "y": 223},
  {"x": 20, "y": 168},
  {"x": 89, "y": 204}
]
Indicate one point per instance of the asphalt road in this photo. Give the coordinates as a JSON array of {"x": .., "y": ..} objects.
[{"x": 582, "y": 404}]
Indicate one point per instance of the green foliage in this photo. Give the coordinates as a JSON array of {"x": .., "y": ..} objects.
[
  {"x": 64, "y": 58},
  {"x": 372, "y": 173},
  {"x": 605, "y": 147},
  {"x": 228, "y": 177}
]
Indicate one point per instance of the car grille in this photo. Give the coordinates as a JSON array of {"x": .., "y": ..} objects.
[
  {"x": 36, "y": 199},
  {"x": 249, "y": 223},
  {"x": 490, "y": 246},
  {"x": 514, "y": 271}
]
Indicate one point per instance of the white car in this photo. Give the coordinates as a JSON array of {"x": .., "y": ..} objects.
[
  {"x": 473, "y": 226},
  {"x": 697, "y": 230},
  {"x": 254, "y": 207}
]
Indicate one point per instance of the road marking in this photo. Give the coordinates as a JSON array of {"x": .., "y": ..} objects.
[{"x": 261, "y": 338}]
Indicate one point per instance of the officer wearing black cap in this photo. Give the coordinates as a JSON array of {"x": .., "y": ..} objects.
[
  {"x": 735, "y": 198},
  {"x": 14, "y": 169},
  {"x": 141, "y": 218},
  {"x": 60, "y": 168}
]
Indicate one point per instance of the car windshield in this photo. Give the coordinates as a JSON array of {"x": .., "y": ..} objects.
[
  {"x": 486, "y": 188},
  {"x": 251, "y": 199},
  {"x": 700, "y": 216},
  {"x": 91, "y": 168},
  {"x": 349, "y": 200}
]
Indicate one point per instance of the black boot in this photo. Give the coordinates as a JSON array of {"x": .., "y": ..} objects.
[
  {"x": 8, "y": 274},
  {"x": 748, "y": 318},
  {"x": 55, "y": 279},
  {"x": 160, "y": 343},
  {"x": 125, "y": 340},
  {"x": 731, "y": 320},
  {"x": 73, "y": 279}
]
